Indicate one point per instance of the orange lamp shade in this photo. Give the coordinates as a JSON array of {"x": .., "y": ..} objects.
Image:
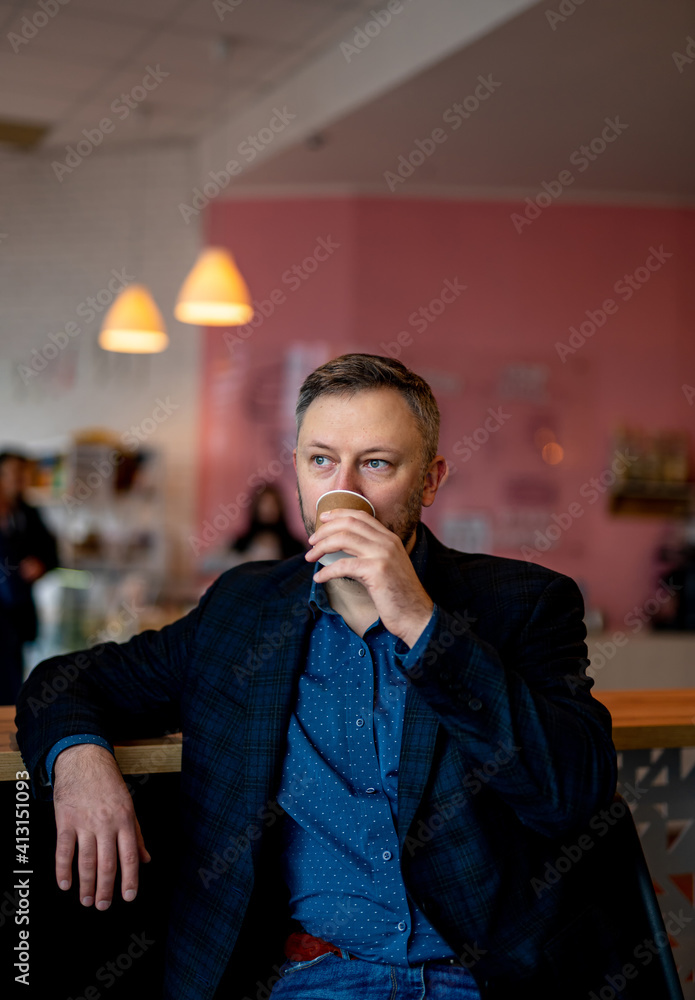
[
  {"x": 134, "y": 324},
  {"x": 214, "y": 293}
]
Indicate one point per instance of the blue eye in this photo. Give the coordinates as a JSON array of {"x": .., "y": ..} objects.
[
  {"x": 377, "y": 463},
  {"x": 319, "y": 459}
]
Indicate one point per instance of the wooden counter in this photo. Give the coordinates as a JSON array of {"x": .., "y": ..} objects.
[
  {"x": 151, "y": 756},
  {"x": 641, "y": 719},
  {"x": 663, "y": 717}
]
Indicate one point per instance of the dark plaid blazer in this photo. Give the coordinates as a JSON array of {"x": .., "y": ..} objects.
[{"x": 505, "y": 756}]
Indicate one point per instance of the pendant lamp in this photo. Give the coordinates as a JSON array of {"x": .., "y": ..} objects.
[
  {"x": 134, "y": 324},
  {"x": 214, "y": 293}
]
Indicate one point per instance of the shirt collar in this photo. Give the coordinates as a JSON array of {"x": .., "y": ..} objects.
[{"x": 318, "y": 599}]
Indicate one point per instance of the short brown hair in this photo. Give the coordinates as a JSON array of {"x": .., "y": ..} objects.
[{"x": 351, "y": 373}]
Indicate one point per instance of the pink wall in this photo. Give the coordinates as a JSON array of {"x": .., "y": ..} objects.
[{"x": 523, "y": 292}]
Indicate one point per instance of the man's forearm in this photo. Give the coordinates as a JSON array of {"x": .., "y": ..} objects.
[{"x": 561, "y": 763}]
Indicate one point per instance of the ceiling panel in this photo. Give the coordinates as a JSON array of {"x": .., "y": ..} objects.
[
  {"x": 28, "y": 108},
  {"x": 74, "y": 68},
  {"x": 163, "y": 84},
  {"x": 138, "y": 10},
  {"x": 281, "y": 23},
  {"x": 87, "y": 40},
  {"x": 34, "y": 74},
  {"x": 204, "y": 57}
]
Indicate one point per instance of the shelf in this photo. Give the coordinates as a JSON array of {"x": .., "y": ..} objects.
[{"x": 651, "y": 498}]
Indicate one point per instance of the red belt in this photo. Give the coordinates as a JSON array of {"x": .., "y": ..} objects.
[{"x": 302, "y": 947}]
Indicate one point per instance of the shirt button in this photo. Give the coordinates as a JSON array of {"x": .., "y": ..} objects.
[
  {"x": 360, "y": 723},
  {"x": 475, "y": 704},
  {"x": 362, "y": 652},
  {"x": 386, "y": 855},
  {"x": 402, "y": 925},
  {"x": 371, "y": 791}
]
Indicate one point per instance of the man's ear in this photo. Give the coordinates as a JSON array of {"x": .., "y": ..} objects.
[
  {"x": 294, "y": 459},
  {"x": 437, "y": 472}
]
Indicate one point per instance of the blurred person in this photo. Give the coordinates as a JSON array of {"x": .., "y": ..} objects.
[
  {"x": 268, "y": 535},
  {"x": 674, "y": 586},
  {"x": 27, "y": 551},
  {"x": 378, "y": 756}
]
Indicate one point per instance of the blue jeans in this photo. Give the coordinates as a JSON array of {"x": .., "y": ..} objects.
[{"x": 330, "y": 977}]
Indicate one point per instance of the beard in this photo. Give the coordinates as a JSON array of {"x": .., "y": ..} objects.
[{"x": 403, "y": 524}]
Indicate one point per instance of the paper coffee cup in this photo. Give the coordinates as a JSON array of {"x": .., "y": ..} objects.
[{"x": 344, "y": 499}]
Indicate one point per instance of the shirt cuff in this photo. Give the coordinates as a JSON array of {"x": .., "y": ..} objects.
[
  {"x": 72, "y": 741},
  {"x": 409, "y": 657}
]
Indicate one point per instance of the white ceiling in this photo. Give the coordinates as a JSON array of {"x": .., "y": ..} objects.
[
  {"x": 78, "y": 63},
  {"x": 609, "y": 58}
]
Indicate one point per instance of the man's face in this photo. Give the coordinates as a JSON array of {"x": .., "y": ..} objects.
[{"x": 369, "y": 443}]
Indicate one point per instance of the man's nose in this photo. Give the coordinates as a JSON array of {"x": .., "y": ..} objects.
[{"x": 347, "y": 480}]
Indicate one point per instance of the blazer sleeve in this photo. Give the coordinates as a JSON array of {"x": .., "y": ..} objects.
[
  {"x": 130, "y": 690},
  {"x": 535, "y": 701}
]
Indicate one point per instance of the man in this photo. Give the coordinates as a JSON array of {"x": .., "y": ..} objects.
[
  {"x": 389, "y": 753},
  {"x": 27, "y": 551}
]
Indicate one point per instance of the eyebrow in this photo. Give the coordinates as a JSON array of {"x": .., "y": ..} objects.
[{"x": 366, "y": 451}]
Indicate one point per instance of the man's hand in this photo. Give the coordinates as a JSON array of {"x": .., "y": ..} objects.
[
  {"x": 382, "y": 566},
  {"x": 31, "y": 569},
  {"x": 94, "y": 811}
]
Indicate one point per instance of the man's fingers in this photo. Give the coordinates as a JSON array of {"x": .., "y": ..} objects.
[
  {"x": 97, "y": 863},
  {"x": 367, "y": 526},
  {"x": 87, "y": 866},
  {"x": 142, "y": 850},
  {"x": 65, "y": 851},
  {"x": 343, "y": 539},
  {"x": 107, "y": 865},
  {"x": 129, "y": 854},
  {"x": 94, "y": 813},
  {"x": 336, "y": 570},
  {"x": 334, "y": 543},
  {"x": 351, "y": 531}
]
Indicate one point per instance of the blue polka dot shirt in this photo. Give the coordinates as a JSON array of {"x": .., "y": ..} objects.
[{"x": 339, "y": 789}]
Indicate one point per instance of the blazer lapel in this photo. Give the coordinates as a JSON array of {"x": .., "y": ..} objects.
[
  {"x": 280, "y": 650},
  {"x": 445, "y": 585},
  {"x": 420, "y": 726}
]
